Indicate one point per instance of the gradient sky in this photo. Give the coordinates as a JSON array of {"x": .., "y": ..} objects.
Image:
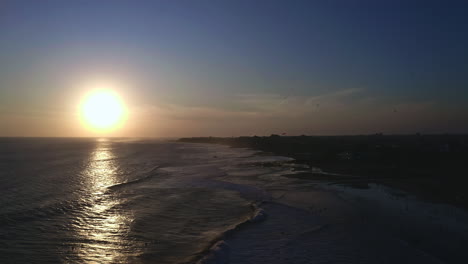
[{"x": 229, "y": 68}]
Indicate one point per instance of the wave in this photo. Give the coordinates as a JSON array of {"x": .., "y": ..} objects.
[
  {"x": 62, "y": 207},
  {"x": 218, "y": 254},
  {"x": 148, "y": 176},
  {"x": 218, "y": 251}
]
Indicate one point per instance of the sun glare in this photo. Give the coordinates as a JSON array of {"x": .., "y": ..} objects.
[{"x": 103, "y": 110}]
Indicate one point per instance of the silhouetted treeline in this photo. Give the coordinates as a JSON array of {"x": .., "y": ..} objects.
[{"x": 432, "y": 165}]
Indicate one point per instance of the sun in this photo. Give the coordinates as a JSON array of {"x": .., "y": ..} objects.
[{"x": 103, "y": 110}]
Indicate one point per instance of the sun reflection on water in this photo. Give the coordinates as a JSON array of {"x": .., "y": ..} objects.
[
  {"x": 102, "y": 226},
  {"x": 101, "y": 168}
]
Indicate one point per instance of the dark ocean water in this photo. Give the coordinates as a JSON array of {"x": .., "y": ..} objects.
[
  {"x": 148, "y": 201},
  {"x": 110, "y": 201}
]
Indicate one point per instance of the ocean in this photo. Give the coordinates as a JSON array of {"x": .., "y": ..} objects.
[{"x": 86, "y": 200}]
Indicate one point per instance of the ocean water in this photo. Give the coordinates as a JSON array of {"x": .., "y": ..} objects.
[
  {"x": 149, "y": 201},
  {"x": 114, "y": 201}
]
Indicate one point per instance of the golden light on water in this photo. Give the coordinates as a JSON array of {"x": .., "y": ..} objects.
[
  {"x": 103, "y": 226},
  {"x": 103, "y": 110}
]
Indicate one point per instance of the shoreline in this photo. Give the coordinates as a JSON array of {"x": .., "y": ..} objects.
[
  {"x": 314, "y": 221},
  {"x": 425, "y": 168}
]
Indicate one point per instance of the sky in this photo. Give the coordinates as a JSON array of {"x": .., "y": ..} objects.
[{"x": 231, "y": 68}]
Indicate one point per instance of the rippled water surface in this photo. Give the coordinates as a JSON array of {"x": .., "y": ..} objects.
[
  {"x": 147, "y": 201},
  {"x": 111, "y": 201}
]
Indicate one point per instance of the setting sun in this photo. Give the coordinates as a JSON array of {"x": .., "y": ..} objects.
[{"x": 102, "y": 110}]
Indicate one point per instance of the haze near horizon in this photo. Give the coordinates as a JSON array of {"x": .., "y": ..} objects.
[{"x": 231, "y": 68}]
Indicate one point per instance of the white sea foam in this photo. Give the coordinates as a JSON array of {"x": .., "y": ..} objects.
[{"x": 218, "y": 254}]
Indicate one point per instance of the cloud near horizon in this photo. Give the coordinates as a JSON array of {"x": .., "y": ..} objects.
[
  {"x": 236, "y": 68},
  {"x": 348, "y": 111}
]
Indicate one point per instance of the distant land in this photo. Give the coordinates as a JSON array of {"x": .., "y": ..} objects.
[{"x": 432, "y": 167}]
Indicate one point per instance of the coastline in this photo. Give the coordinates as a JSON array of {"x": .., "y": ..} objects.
[
  {"x": 431, "y": 168},
  {"x": 312, "y": 219}
]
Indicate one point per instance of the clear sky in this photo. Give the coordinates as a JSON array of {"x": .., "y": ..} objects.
[{"x": 229, "y": 68}]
